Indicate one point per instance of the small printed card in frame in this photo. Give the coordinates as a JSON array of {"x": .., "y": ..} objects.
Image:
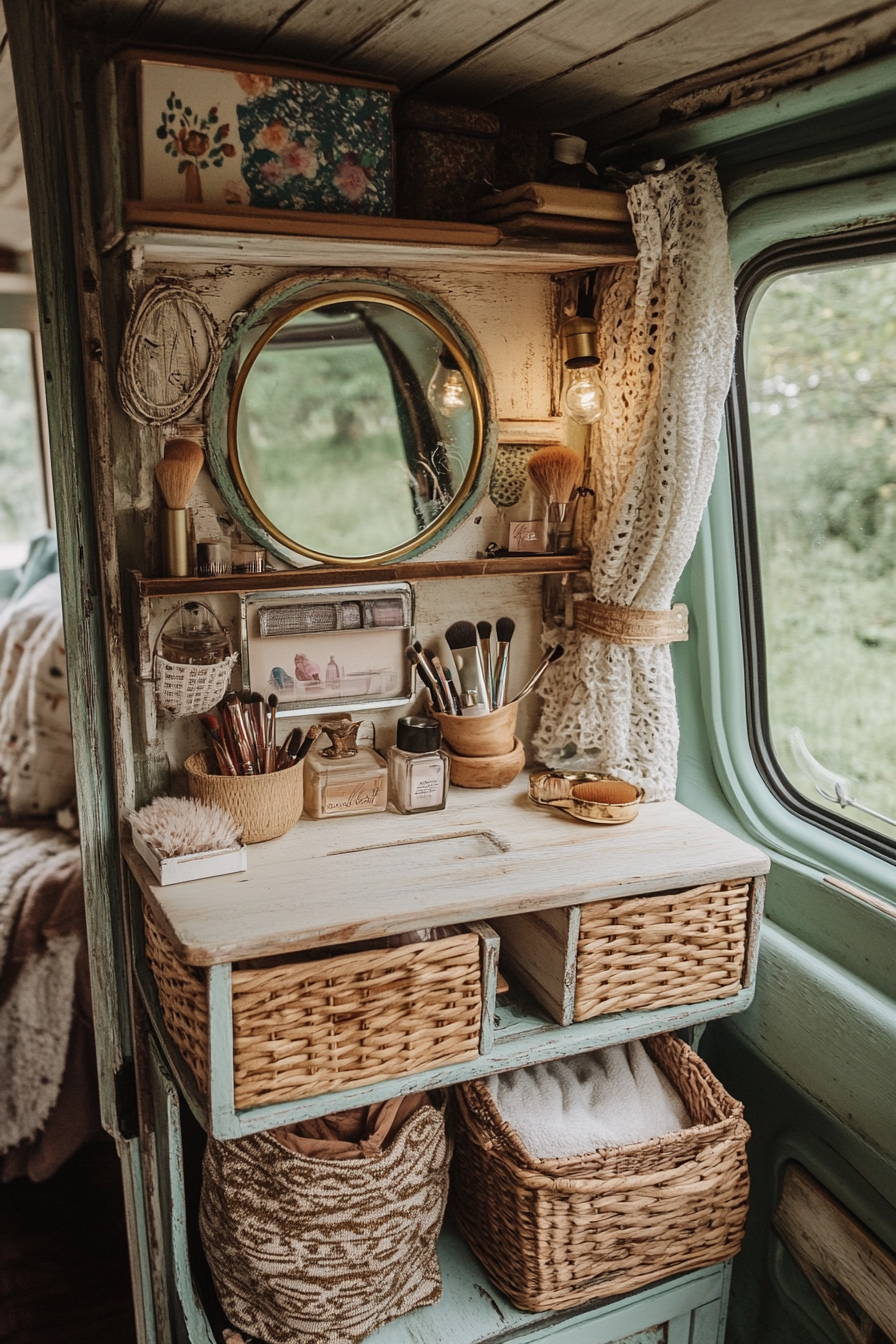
[{"x": 293, "y": 141}]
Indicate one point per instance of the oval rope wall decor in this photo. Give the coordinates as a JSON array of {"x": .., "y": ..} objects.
[{"x": 170, "y": 354}]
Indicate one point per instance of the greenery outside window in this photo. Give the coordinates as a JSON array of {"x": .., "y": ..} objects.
[
  {"x": 23, "y": 496},
  {"x": 815, "y": 450}
]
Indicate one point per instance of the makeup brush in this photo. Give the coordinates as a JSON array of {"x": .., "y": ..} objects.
[
  {"x": 256, "y": 715},
  {"x": 461, "y": 640},
  {"x": 430, "y": 681},
  {"x": 270, "y": 745},
  {"x": 288, "y": 753},
  {"x": 550, "y": 657},
  {"x": 233, "y": 712},
  {"x": 213, "y": 728},
  {"x": 556, "y": 471},
  {"x": 455, "y": 698},
  {"x": 436, "y": 665},
  {"x": 504, "y": 628},
  {"x": 176, "y": 475},
  {"x": 484, "y": 631},
  {"x": 311, "y": 737}
]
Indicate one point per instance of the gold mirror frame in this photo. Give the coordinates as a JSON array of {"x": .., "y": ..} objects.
[{"x": 446, "y": 336}]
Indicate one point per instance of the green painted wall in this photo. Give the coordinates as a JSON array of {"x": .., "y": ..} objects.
[{"x": 814, "y": 1058}]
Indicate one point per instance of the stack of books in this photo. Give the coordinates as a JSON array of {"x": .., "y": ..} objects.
[{"x": 561, "y": 214}]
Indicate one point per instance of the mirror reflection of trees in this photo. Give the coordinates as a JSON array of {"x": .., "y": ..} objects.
[
  {"x": 338, "y": 441},
  {"x": 822, "y": 389}
]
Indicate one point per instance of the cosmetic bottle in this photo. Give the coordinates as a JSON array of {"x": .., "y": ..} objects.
[
  {"x": 526, "y": 524},
  {"x": 418, "y": 768},
  {"x": 344, "y": 780}
]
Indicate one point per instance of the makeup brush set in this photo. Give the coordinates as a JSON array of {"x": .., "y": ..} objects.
[
  {"x": 242, "y": 729},
  {"x": 480, "y": 685}
]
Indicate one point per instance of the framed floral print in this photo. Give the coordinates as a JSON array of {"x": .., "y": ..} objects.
[{"x": 221, "y": 133}]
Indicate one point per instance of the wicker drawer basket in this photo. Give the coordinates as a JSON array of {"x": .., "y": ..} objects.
[
  {"x": 639, "y": 952},
  {"x": 304, "y": 1028},
  {"x": 554, "y": 1234}
]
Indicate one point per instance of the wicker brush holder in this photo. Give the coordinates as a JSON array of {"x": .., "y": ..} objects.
[
  {"x": 481, "y": 735},
  {"x": 265, "y": 805},
  {"x": 555, "y": 1233}
]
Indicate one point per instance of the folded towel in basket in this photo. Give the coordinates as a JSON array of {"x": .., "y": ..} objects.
[{"x": 574, "y": 1106}]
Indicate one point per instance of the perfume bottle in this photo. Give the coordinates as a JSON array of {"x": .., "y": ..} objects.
[
  {"x": 344, "y": 780},
  {"x": 418, "y": 768}
]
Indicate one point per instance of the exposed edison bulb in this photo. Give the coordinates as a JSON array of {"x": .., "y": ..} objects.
[
  {"x": 584, "y": 399},
  {"x": 448, "y": 392}
]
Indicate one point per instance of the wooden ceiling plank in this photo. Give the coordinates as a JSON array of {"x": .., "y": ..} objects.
[
  {"x": 428, "y": 41},
  {"x": 570, "y": 33},
  {"x": 211, "y": 24},
  {"x": 690, "y": 47},
  {"x": 328, "y": 33}
]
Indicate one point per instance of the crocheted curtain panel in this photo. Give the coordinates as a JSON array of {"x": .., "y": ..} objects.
[{"x": 666, "y": 331}]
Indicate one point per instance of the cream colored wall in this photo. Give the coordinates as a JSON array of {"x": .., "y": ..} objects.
[{"x": 513, "y": 318}]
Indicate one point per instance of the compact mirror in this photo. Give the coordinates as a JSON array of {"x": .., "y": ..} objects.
[{"x": 355, "y": 427}]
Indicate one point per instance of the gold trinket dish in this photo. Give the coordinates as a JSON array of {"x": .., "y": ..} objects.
[{"x": 600, "y": 799}]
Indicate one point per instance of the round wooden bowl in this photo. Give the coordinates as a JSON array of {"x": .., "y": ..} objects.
[
  {"x": 487, "y": 772},
  {"x": 486, "y": 735},
  {"x": 265, "y": 805}
]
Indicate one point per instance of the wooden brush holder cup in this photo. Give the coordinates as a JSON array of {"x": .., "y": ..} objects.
[
  {"x": 485, "y": 735},
  {"x": 265, "y": 805},
  {"x": 487, "y": 772}
]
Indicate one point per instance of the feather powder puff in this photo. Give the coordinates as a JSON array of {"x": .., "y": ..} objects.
[{"x": 173, "y": 826}]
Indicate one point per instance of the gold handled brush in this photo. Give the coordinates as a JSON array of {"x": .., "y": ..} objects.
[
  {"x": 556, "y": 471},
  {"x": 176, "y": 475}
]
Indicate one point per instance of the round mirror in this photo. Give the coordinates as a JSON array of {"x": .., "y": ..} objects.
[{"x": 355, "y": 428}]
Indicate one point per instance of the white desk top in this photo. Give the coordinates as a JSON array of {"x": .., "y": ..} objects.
[{"x": 490, "y": 853}]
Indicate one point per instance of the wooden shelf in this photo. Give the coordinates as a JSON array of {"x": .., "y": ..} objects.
[
  {"x": 203, "y": 235},
  {"x": 343, "y": 576}
]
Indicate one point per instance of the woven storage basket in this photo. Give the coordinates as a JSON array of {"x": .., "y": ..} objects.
[
  {"x": 554, "y": 1234},
  {"x": 656, "y": 951},
  {"x": 265, "y": 805},
  {"x": 305, "y": 1250},
  {"x": 310, "y": 1027}
]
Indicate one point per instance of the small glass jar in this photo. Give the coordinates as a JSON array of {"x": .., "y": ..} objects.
[
  {"x": 526, "y": 523},
  {"x": 345, "y": 780},
  {"x": 246, "y": 559},
  {"x": 419, "y": 770},
  {"x": 213, "y": 557},
  {"x": 199, "y": 641}
]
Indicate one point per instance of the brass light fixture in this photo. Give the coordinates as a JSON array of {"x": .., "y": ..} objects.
[{"x": 584, "y": 399}]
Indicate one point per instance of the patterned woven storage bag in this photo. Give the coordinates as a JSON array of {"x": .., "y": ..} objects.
[
  {"x": 555, "y": 1233},
  {"x": 306, "y": 1249}
]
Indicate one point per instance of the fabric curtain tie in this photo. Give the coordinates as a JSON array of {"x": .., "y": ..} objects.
[{"x": 631, "y": 626}]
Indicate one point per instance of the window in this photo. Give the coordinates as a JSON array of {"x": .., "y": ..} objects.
[
  {"x": 23, "y": 507},
  {"x": 816, "y": 436}
]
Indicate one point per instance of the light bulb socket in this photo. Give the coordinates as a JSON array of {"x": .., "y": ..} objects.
[
  {"x": 447, "y": 359},
  {"x": 582, "y": 362},
  {"x": 579, "y": 336}
]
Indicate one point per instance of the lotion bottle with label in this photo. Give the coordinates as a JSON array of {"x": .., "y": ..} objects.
[
  {"x": 418, "y": 768},
  {"x": 344, "y": 780}
]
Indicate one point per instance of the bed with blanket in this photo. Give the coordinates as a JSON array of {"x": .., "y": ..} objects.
[{"x": 48, "y": 1087}]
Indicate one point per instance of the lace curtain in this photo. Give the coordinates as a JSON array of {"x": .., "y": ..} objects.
[{"x": 666, "y": 332}]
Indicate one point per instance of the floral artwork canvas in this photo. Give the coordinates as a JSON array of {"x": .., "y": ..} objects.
[{"x": 230, "y": 137}]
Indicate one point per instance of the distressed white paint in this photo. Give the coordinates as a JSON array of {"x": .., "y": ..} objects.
[{"x": 347, "y": 878}]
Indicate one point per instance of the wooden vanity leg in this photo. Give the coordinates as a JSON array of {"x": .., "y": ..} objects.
[{"x": 223, "y": 1122}]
